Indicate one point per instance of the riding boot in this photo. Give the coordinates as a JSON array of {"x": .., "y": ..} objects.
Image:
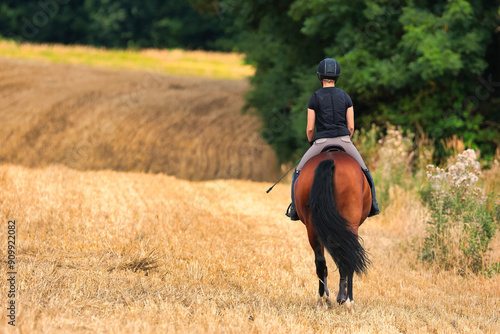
[
  {"x": 292, "y": 211},
  {"x": 374, "y": 210}
]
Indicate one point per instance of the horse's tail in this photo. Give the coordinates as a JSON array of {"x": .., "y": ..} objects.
[{"x": 342, "y": 244}]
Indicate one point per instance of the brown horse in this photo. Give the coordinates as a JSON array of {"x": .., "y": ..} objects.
[{"x": 333, "y": 198}]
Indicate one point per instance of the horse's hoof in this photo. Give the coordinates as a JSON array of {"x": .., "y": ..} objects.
[
  {"x": 321, "y": 305},
  {"x": 350, "y": 306},
  {"x": 328, "y": 303},
  {"x": 324, "y": 302},
  {"x": 341, "y": 301}
]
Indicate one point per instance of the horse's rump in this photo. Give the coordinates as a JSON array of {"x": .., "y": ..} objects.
[
  {"x": 333, "y": 230},
  {"x": 333, "y": 198}
]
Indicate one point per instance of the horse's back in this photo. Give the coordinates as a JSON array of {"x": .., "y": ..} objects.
[{"x": 351, "y": 189}]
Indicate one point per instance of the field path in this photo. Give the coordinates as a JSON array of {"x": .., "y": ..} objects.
[
  {"x": 122, "y": 252},
  {"x": 89, "y": 118}
]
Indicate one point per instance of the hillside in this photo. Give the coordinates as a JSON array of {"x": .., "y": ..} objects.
[
  {"x": 115, "y": 252},
  {"x": 91, "y": 118}
]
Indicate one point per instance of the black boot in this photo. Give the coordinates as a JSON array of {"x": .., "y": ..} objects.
[
  {"x": 292, "y": 212},
  {"x": 374, "y": 210}
]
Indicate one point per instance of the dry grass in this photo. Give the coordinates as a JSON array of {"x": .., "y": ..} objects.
[
  {"x": 104, "y": 251},
  {"x": 88, "y": 118},
  {"x": 127, "y": 252},
  {"x": 205, "y": 64},
  {"x": 454, "y": 145}
]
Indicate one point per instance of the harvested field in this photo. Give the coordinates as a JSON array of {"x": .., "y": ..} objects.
[
  {"x": 88, "y": 118},
  {"x": 129, "y": 218},
  {"x": 115, "y": 252}
]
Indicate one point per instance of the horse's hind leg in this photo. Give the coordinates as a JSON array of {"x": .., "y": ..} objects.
[
  {"x": 350, "y": 300},
  {"x": 322, "y": 272},
  {"x": 321, "y": 269},
  {"x": 345, "y": 291},
  {"x": 342, "y": 295}
]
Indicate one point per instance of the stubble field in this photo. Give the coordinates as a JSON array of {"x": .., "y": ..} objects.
[
  {"x": 94, "y": 118},
  {"x": 115, "y": 232},
  {"x": 114, "y": 252}
]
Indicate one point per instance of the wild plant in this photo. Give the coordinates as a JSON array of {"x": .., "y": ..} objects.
[
  {"x": 366, "y": 142},
  {"x": 461, "y": 225},
  {"x": 394, "y": 164}
]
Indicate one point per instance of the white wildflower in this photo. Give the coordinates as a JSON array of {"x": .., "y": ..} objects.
[
  {"x": 460, "y": 167},
  {"x": 473, "y": 178}
]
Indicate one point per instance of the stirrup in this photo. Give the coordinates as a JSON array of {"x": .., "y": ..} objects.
[
  {"x": 373, "y": 212},
  {"x": 289, "y": 214}
]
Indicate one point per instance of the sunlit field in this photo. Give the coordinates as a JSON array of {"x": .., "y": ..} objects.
[
  {"x": 140, "y": 206},
  {"x": 129, "y": 252},
  {"x": 205, "y": 64},
  {"x": 92, "y": 118}
]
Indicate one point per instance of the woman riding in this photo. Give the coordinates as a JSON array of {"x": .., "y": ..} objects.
[{"x": 331, "y": 112}]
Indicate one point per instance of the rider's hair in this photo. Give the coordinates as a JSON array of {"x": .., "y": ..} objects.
[{"x": 330, "y": 79}]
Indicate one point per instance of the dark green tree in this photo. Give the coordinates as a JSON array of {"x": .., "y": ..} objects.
[
  {"x": 113, "y": 23},
  {"x": 422, "y": 64}
]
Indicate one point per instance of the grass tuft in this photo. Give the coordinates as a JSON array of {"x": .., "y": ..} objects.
[{"x": 140, "y": 263}]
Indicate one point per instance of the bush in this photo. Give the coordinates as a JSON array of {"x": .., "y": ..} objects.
[{"x": 461, "y": 225}]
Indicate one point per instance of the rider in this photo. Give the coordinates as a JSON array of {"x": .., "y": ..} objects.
[{"x": 330, "y": 110}]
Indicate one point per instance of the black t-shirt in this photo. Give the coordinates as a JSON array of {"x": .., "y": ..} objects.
[{"x": 330, "y": 105}]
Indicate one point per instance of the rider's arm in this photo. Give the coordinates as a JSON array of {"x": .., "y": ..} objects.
[
  {"x": 311, "y": 119},
  {"x": 350, "y": 119}
]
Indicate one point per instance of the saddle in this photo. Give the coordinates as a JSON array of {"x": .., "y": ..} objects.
[{"x": 333, "y": 148}]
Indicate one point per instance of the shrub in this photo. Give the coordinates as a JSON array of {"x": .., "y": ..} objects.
[{"x": 461, "y": 225}]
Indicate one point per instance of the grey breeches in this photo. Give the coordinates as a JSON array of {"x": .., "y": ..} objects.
[{"x": 320, "y": 144}]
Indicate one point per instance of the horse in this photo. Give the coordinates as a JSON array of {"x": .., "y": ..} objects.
[{"x": 333, "y": 198}]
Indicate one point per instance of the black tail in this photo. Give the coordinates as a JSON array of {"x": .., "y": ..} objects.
[{"x": 342, "y": 244}]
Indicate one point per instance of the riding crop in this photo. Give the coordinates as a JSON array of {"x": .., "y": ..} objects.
[{"x": 268, "y": 190}]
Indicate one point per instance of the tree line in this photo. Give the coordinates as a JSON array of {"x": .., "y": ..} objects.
[
  {"x": 429, "y": 65},
  {"x": 432, "y": 66},
  {"x": 113, "y": 24}
]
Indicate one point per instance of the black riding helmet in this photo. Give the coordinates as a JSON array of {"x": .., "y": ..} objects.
[{"x": 328, "y": 68}]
